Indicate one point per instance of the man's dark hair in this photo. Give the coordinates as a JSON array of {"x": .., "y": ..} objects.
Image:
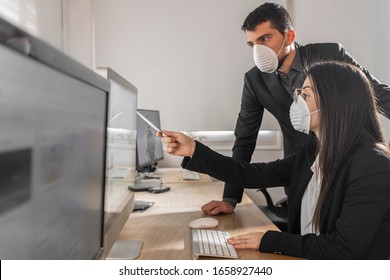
[{"x": 274, "y": 13}]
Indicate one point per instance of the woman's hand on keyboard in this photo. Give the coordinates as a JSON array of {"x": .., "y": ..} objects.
[
  {"x": 177, "y": 143},
  {"x": 247, "y": 241}
]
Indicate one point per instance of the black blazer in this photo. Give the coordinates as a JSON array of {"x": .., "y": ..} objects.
[
  {"x": 264, "y": 91},
  {"x": 355, "y": 216}
]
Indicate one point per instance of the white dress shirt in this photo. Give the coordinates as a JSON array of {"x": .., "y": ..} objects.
[{"x": 309, "y": 200}]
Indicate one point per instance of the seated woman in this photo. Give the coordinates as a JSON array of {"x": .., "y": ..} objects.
[{"x": 339, "y": 181}]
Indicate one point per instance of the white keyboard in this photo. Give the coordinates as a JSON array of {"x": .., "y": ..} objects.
[
  {"x": 211, "y": 243},
  {"x": 190, "y": 175}
]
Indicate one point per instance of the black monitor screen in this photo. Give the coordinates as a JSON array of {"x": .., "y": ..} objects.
[
  {"x": 52, "y": 160},
  {"x": 149, "y": 146}
]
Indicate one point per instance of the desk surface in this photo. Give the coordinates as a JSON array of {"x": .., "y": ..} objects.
[
  {"x": 174, "y": 176},
  {"x": 164, "y": 227}
]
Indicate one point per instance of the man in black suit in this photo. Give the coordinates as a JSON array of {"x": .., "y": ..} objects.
[{"x": 270, "y": 84}]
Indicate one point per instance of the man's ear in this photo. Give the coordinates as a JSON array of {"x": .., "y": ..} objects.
[{"x": 290, "y": 36}]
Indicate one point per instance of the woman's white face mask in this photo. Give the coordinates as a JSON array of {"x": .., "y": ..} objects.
[
  {"x": 300, "y": 115},
  {"x": 265, "y": 58}
]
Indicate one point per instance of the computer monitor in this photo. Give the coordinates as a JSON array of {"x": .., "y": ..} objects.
[
  {"x": 53, "y": 119},
  {"x": 149, "y": 146},
  {"x": 122, "y": 128},
  {"x": 121, "y": 166}
]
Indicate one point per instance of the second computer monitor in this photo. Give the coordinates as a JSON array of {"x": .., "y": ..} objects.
[
  {"x": 122, "y": 125},
  {"x": 149, "y": 146}
]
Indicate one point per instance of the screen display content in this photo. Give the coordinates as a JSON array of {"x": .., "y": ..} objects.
[{"x": 149, "y": 146}]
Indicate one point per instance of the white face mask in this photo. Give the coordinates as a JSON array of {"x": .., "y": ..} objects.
[
  {"x": 265, "y": 58},
  {"x": 300, "y": 115}
]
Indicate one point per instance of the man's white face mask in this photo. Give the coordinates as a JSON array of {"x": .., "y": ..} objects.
[
  {"x": 265, "y": 58},
  {"x": 300, "y": 115}
]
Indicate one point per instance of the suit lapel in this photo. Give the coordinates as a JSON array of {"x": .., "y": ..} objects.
[
  {"x": 277, "y": 90},
  {"x": 295, "y": 212},
  {"x": 304, "y": 179}
]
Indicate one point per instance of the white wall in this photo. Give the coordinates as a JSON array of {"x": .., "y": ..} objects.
[
  {"x": 187, "y": 58},
  {"x": 41, "y": 18},
  {"x": 65, "y": 24},
  {"x": 207, "y": 30},
  {"x": 78, "y": 31}
]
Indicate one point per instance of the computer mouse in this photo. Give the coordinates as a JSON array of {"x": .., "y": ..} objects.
[{"x": 204, "y": 223}]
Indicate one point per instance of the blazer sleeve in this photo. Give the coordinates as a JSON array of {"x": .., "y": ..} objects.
[
  {"x": 247, "y": 126},
  {"x": 240, "y": 173},
  {"x": 365, "y": 207}
]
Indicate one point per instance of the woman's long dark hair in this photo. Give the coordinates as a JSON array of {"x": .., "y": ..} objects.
[{"x": 348, "y": 116}]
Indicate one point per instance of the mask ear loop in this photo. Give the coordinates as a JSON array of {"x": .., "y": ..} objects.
[
  {"x": 311, "y": 113},
  {"x": 284, "y": 41}
]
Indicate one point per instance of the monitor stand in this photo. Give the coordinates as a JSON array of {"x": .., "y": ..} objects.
[
  {"x": 141, "y": 184},
  {"x": 125, "y": 250},
  {"x": 148, "y": 169}
]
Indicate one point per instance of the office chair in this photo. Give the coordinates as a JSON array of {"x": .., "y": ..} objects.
[{"x": 277, "y": 212}]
